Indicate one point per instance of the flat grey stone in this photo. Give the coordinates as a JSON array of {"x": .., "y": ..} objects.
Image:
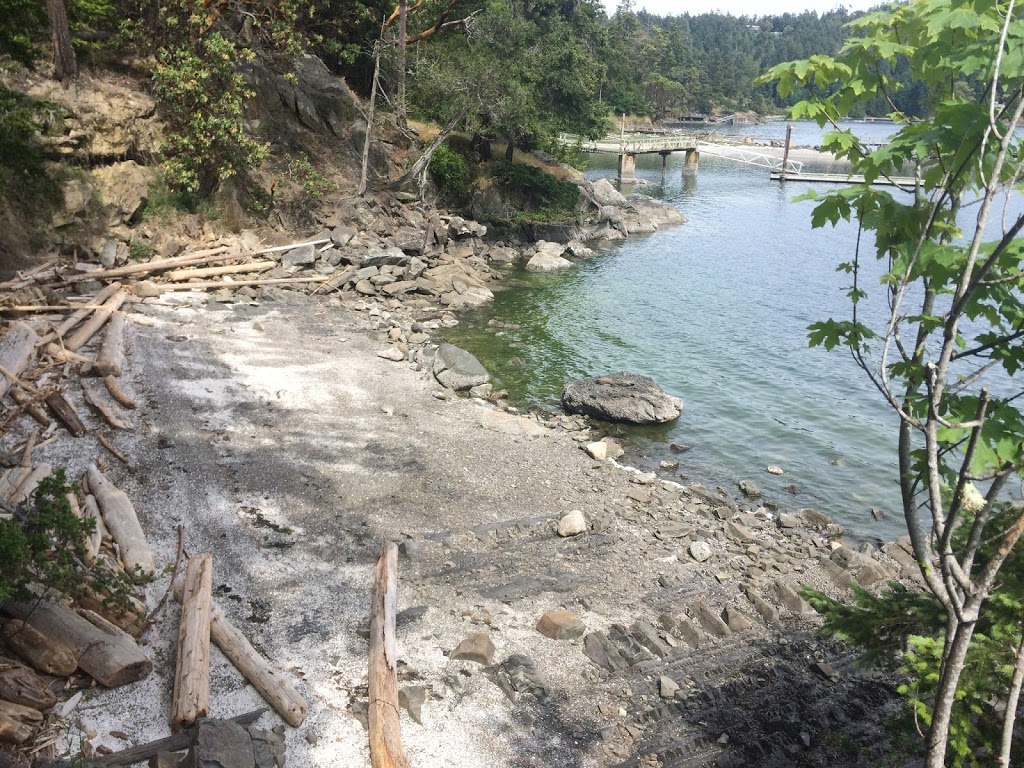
[
  {"x": 477, "y": 647},
  {"x": 411, "y": 698}
]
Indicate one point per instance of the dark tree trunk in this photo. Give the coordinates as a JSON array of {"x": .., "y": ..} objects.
[
  {"x": 510, "y": 150},
  {"x": 64, "y": 62},
  {"x": 482, "y": 147},
  {"x": 402, "y": 4}
]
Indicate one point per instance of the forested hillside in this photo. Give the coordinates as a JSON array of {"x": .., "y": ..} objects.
[{"x": 515, "y": 72}]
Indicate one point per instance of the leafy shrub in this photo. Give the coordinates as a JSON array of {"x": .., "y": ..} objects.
[
  {"x": 315, "y": 184},
  {"x": 538, "y": 190},
  {"x": 42, "y": 542},
  {"x": 199, "y": 96},
  {"x": 451, "y": 172}
]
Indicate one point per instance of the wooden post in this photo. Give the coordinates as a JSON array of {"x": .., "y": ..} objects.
[
  {"x": 785, "y": 152},
  {"x": 192, "y": 672},
  {"x": 690, "y": 163},
  {"x": 385, "y": 735}
]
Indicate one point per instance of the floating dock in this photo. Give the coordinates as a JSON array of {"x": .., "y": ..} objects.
[{"x": 904, "y": 182}]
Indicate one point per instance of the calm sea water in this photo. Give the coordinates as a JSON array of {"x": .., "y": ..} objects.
[{"x": 716, "y": 311}]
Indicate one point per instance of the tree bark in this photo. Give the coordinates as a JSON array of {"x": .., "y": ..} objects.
[
  {"x": 65, "y": 413},
  {"x": 114, "y": 388},
  {"x": 108, "y": 412},
  {"x": 385, "y": 735},
  {"x": 121, "y": 520},
  {"x": 1012, "y": 699},
  {"x": 945, "y": 696},
  {"x": 20, "y": 685},
  {"x": 510, "y": 150},
  {"x": 65, "y": 64},
  {"x": 192, "y": 671},
  {"x": 18, "y": 723}
]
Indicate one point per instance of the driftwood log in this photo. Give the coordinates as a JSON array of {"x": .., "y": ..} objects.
[
  {"x": 65, "y": 413},
  {"x": 385, "y": 734},
  {"x": 77, "y": 317},
  {"x": 10, "y": 480},
  {"x": 175, "y": 743},
  {"x": 20, "y": 685},
  {"x": 271, "y": 682},
  {"x": 17, "y": 350},
  {"x": 91, "y": 511},
  {"x": 99, "y": 317},
  {"x": 44, "y": 653},
  {"x": 191, "y": 700},
  {"x": 121, "y": 520},
  {"x": 111, "y": 361},
  {"x": 29, "y": 484},
  {"x": 206, "y": 285},
  {"x": 109, "y": 413},
  {"x": 30, "y": 406},
  {"x": 127, "y": 614},
  {"x": 18, "y": 723},
  {"x": 114, "y": 388},
  {"x": 234, "y": 269},
  {"x": 111, "y": 657}
]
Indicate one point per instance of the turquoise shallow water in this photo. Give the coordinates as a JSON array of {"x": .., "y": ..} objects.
[{"x": 716, "y": 311}]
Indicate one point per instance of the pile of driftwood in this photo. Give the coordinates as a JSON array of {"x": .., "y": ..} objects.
[
  {"x": 46, "y": 330},
  {"x": 97, "y": 635},
  {"x": 60, "y": 353}
]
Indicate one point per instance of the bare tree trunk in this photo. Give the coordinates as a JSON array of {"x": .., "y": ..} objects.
[
  {"x": 421, "y": 164},
  {"x": 64, "y": 62},
  {"x": 954, "y": 656},
  {"x": 369, "y": 122},
  {"x": 1010, "y": 716},
  {"x": 400, "y": 114},
  {"x": 510, "y": 150}
]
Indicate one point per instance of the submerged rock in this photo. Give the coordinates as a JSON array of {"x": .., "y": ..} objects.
[{"x": 626, "y": 397}]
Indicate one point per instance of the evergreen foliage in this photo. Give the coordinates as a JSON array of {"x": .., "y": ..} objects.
[{"x": 42, "y": 543}]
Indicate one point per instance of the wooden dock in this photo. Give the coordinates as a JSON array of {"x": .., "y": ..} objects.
[{"x": 903, "y": 182}]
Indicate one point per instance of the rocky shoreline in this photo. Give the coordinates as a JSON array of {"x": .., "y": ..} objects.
[{"x": 291, "y": 435}]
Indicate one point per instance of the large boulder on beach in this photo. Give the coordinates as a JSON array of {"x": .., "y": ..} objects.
[
  {"x": 606, "y": 194},
  {"x": 457, "y": 369},
  {"x": 627, "y": 397}
]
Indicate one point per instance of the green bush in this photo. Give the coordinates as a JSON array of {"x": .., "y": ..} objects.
[
  {"x": 539, "y": 191},
  {"x": 42, "y": 542},
  {"x": 451, "y": 172},
  {"x": 199, "y": 96}
]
